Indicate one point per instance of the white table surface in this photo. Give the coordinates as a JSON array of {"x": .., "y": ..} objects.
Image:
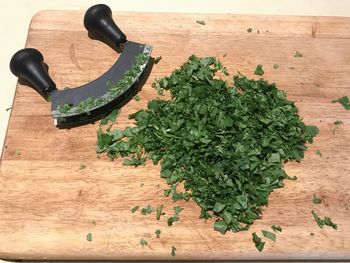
[{"x": 16, "y": 15}]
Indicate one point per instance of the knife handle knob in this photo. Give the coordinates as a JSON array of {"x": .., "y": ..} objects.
[
  {"x": 28, "y": 65},
  {"x": 99, "y": 22}
]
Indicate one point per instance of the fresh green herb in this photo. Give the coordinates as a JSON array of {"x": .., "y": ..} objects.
[
  {"x": 258, "y": 243},
  {"x": 201, "y": 22},
  {"x": 220, "y": 226},
  {"x": 318, "y": 152},
  {"x": 326, "y": 221},
  {"x": 259, "y": 70},
  {"x": 157, "y": 232},
  {"x": 173, "y": 251},
  {"x": 82, "y": 167},
  {"x": 143, "y": 242},
  {"x": 318, "y": 220},
  {"x": 137, "y": 98},
  {"x": 250, "y": 30},
  {"x": 8, "y": 109},
  {"x": 157, "y": 59},
  {"x": 276, "y": 228},
  {"x": 114, "y": 91},
  {"x": 316, "y": 200},
  {"x": 111, "y": 117},
  {"x": 298, "y": 54},
  {"x": 276, "y": 66},
  {"x": 89, "y": 237},
  {"x": 134, "y": 209},
  {"x": 344, "y": 101},
  {"x": 147, "y": 210},
  {"x": 338, "y": 122},
  {"x": 159, "y": 211},
  {"x": 175, "y": 217},
  {"x": 93, "y": 222},
  {"x": 269, "y": 235},
  {"x": 207, "y": 138}
]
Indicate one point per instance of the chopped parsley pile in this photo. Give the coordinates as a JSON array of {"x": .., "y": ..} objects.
[{"x": 226, "y": 143}]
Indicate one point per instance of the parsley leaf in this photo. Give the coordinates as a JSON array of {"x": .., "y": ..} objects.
[
  {"x": 276, "y": 228},
  {"x": 259, "y": 70},
  {"x": 134, "y": 209},
  {"x": 201, "y": 22},
  {"x": 318, "y": 152},
  {"x": 316, "y": 199},
  {"x": 143, "y": 242},
  {"x": 147, "y": 210},
  {"x": 249, "y": 30},
  {"x": 173, "y": 251},
  {"x": 318, "y": 220},
  {"x": 338, "y": 122},
  {"x": 159, "y": 211},
  {"x": 344, "y": 101},
  {"x": 175, "y": 217},
  {"x": 298, "y": 54},
  {"x": 111, "y": 117},
  {"x": 137, "y": 97},
  {"x": 157, "y": 232},
  {"x": 89, "y": 237},
  {"x": 269, "y": 235},
  {"x": 276, "y": 66},
  {"x": 326, "y": 221},
  {"x": 258, "y": 243}
]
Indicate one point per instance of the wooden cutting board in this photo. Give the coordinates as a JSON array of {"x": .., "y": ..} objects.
[{"x": 48, "y": 204}]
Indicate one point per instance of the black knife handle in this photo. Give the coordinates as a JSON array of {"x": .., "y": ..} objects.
[
  {"x": 28, "y": 65},
  {"x": 99, "y": 22}
]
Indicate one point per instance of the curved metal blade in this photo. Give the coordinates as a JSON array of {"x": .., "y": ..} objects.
[{"x": 94, "y": 100}]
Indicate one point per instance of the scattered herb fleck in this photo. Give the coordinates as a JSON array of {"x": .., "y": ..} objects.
[
  {"x": 258, "y": 243},
  {"x": 259, "y": 70},
  {"x": 134, "y": 209},
  {"x": 111, "y": 117},
  {"x": 291, "y": 68},
  {"x": 93, "y": 222},
  {"x": 316, "y": 200},
  {"x": 318, "y": 152},
  {"x": 89, "y": 237},
  {"x": 18, "y": 152},
  {"x": 142, "y": 184},
  {"x": 175, "y": 217},
  {"x": 298, "y": 54},
  {"x": 338, "y": 122},
  {"x": 250, "y": 30},
  {"x": 312, "y": 234},
  {"x": 82, "y": 167},
  {"x": 137, "y": 97},
  {"x": 276, "y": 66},
  {"x": 143, "y": 242},
  {"x": 269, "y": 235},
  {"x": 326, "y": 221},
  {"x": 276, "y": 228},
  {"x": 224, "y": 55},
  {"x": 159, "y": 211},
  {"x": 344, "y": 101},
  {"x": 147, "y": 210},
  {"x": 173, "y": 251},
  {"x": 8, "y": 109},
  {"x": 201, "y": 22},
  {"x": 157, "y": 232},
  {"x": 157, "y": 59}
]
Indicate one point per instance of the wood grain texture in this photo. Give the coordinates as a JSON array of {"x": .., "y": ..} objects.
[{"x": 47, "y": 204}]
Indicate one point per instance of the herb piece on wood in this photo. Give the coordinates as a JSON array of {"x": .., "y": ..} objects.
[
  {"x": 201, "y": 22},
  {"x": 82, "y": 167},
  {"x": 137, "y": 97},
  {"x": 157, "y": 232},
  {"x": 259, "y": 244},
  {"x": 89, "y": 237},
  {"x": 269, "y": 235},
  {"x": 147, "y": 210},
  {"x": 259, "y": 70},
  {"x": 276, "y": 228},
  {"x": 318, "y": 152},
  {"x": 143, "y": 242},
  {"x": 275, "y": 66},
  {"x": 134, "y": 209},
  {"x": 316, "y": 199},
  {"x": 250, "y": 30},
  {"x": 298, "y": 54},
  {"x": 344, "y": 101},
  {"x": 173, "y": 251},
  {"x": 159, "y": 211}
]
